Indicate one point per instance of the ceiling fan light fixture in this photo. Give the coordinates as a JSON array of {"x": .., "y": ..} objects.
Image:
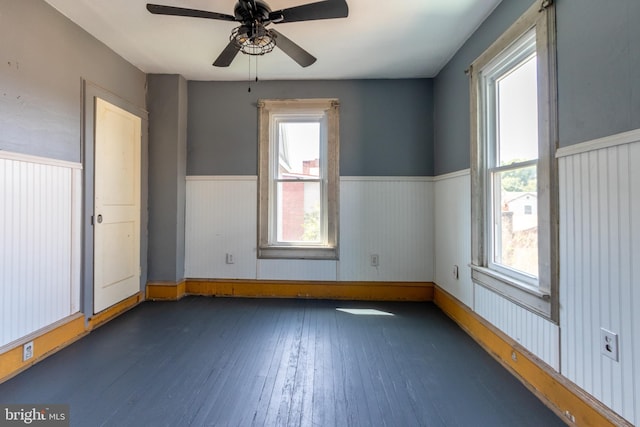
[{"x": 256, "y": 40}]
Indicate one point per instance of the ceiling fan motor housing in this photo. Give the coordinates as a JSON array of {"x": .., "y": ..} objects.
[{"x": 247, "y": 11}]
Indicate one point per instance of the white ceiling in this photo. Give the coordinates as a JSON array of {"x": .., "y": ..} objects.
[{"x": 379, "y": 39}]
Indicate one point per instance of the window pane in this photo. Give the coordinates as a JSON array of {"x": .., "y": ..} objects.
[
  {"x": 516, "y": 220},
  {"x": 298, "y": 213},
  {"x": 517, "y": 96},
  {"x": 299, "y": 150}
]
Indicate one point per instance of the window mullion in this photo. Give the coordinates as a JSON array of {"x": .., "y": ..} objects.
[
  {"x": 298, "y": 180},
  {"x": 513, "y": 166}
]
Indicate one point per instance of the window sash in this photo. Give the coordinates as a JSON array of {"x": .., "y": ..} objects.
[
  {"x": 274, "y": 231},
  {"x": 493, "y": 232},
  {"x": 274, "y": 141}
]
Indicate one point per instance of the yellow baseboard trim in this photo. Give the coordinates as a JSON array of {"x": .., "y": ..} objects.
[
  {"x": 104, "y": 316},
  {"x": 565, "y": 398},
  {"x": 45, "y": 342},
  {"x": 170, "y": 291},
  {"x": 366, "y": 291},
  {"x": 57, "y": 336}
]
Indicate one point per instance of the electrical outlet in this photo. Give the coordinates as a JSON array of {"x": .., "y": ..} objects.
[
  {"x": 570, "y": 416},
  {"x": 609, "y": 344},
  {"x": 375, "y": 260},
  {"x": 455, "y": 272},
  {"x": 27, "y": 351},
  {"x": 230, "y": 259}
]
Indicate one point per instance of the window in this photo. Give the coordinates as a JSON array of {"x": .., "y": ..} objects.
[
  {"x": 514, "y": 187},
  {"x": 298, "y": 179}
]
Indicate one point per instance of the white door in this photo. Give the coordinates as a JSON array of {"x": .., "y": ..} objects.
[{"x": 117, "y": 205}]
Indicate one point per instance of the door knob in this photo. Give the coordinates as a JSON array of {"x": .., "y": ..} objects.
[{"x": 99, "y": 219}]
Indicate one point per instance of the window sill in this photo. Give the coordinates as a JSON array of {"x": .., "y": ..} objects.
[
  {"x": 298, "y": 252},
  {"x": 525, "y": 295}
]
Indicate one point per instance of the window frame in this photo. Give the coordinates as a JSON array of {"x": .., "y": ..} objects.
[
  {"x": 274, "y": 180},
  {"x": 270, "y": 113},
  {"x": 540, "y": 297}
]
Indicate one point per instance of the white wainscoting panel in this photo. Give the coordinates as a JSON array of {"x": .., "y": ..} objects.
[
  {"x": 388, "y": 216},
  {"x": 536, "y": 334},
  {"x": 296, "y": 269},
  {"x": 39, "y": 243},
  {"x": 391, "y": 217},
  {"x": 453, "y": 234},
  {"x": 221, "y": 219},
  {"x": 600, "y": 269}
]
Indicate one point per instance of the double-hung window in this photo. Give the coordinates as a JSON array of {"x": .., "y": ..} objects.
[
  {"x": 514, "y": 185},
  {"x": 298, "y": 179}
]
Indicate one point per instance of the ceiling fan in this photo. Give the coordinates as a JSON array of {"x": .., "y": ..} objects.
[{"x": 253, "y": 37}]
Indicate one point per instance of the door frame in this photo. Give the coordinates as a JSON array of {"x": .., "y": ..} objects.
[{"x": 91, "y": 91}]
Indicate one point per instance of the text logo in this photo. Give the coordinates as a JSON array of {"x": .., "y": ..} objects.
[{"x": 34, "y": 415}]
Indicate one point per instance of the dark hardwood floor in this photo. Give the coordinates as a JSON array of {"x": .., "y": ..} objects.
[{"x": 242, "y": 362}]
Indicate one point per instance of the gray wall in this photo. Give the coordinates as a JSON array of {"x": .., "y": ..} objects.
[
  {"x": 598, "y": 86},
  {"x": 451, "y": 90},
  {"x": 43, "y": 59},
  {"x": 598, "y": 68},
  {"x": 386, "y": 126},
  {"x": 167, "y": 101}
]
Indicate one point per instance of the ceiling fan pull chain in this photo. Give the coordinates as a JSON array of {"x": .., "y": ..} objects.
[
  {"x": 256, "y": 69},
  {"x": 249, "y": 90}
]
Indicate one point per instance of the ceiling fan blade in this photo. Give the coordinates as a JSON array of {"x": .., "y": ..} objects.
[
  {"x": 159, "y": 9},
  {"x": 296, "y": 53},
  {"x": 328, "y": 9},
  {"x": 227, "y": 56}
]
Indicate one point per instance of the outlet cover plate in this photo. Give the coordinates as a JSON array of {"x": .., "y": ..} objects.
[
  {"x": 609, "y": 344},
  {"x": 27, "y": 351}
]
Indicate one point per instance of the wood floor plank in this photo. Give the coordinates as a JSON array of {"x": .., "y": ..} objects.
[{"x": 259, "y": 362}]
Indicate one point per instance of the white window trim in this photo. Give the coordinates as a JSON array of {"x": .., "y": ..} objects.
[
  {"x": 268, "y": 109},
  {"x": 543, "y": 297}
]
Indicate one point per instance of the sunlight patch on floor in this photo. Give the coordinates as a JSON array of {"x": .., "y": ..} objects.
[{"x": 365, "y": 311}]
